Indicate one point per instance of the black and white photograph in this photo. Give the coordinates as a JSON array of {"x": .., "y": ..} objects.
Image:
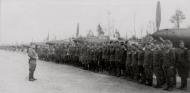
[{"x": 95, "y": 46}]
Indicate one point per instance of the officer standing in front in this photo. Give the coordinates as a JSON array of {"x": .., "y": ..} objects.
[{"x": 32, "y": 62}]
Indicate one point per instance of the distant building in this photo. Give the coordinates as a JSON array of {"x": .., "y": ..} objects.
[{"x": 174, "y": 35}]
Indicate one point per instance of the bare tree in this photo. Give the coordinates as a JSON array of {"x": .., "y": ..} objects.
[
  {"x": 151, "y": 28},
  {"x": 177, "y": 18},
  {"x": 90, "y": 33},
  {"x": 117, "y": 34},
  {"x": 77, "y": 33},
  {"x": 100, "y": 30}
]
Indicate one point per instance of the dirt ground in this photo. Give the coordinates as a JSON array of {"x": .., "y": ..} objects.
[{"x": 56, "y": 78}]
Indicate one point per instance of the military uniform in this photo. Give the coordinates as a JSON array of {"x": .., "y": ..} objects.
[
  {"x": 118, "y": 59},
  {"x": 128, "y": 64},
  {"x": 157, "y": 67},
  {"x": 106, "y": 58},
  {"x": 96, "y": 59},
  {"x": 45, "y": 54},
  {"x": 182, "y": 64},
  {"x": 100, "y": 61},
  {"x": 88, "y": 58},
  {"x": 112, "y": 60},
  {"x": 148, "y": 62},
  {"x": 169, "y": 68},
  {"x": 67, "y": 57},
  {"x": 60, "y": 53},
  {"x": 32, "y": 63},
  {"x": 72, "y": 55},
  {"x": 123, "y": 59},
  {"x": 103, "y": 63},
  {"x": 77, "y": 50},
  {"x": 93, "y": 59},
  {"x": 134, "y": 65},
  {"x": 51, "y": 54},
  {"x": 141, "y": 72},
  {"x": 82, "y": 58}
]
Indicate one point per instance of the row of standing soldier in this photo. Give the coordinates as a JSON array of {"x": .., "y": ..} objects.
[{"x": 137, "y": 62}]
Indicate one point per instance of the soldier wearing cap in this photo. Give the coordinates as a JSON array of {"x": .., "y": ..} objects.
[
  {"x": 73, "y": 55},
  {"x": 88, "y": 57},
  {"x": 101, "y": 60},
  {"x": 107, "y": 57},
  {"x": 157, "y": 66},
  {"x": 32, "y": 61},
  {"x": 112, "y": 60},
  {"x": 182, "y": 64},
  {"x": 118, "y": 59},
  {"x": 134, "y": 64},
  {"x": 76, "y": 55},
  {"x": 73, "y": 52},
  {"x": 93, "y": 58},
  {"x": 104, "y": 52},
  {"x": 141, "y": 72},
  {"x": 123, "y": 57},
  {"x": 148, "y": 62},
  {"x": 67, "y": 58},
  {"x": 96, "y": 58},
  {"x": 83, "y": 53},
  {"x": 169, "y": 65},
  {"x": 128, "y": 63}
]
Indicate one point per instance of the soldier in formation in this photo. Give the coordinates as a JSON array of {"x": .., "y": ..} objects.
[
  {"x": 138, "y": 62},
  {"x": 182, "y": 64},
  {"x": 157, "y": 66}
]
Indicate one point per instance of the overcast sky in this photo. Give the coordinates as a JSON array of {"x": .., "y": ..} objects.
[{"x": 27, "y": 20}]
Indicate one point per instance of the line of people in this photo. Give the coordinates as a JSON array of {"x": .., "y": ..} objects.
[{"x": 138, "y": 62}]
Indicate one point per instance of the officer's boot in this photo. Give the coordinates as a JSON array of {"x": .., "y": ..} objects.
[{"x": 30, "y": 76}]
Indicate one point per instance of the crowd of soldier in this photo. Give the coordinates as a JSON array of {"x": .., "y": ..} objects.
[{"x": 137, "y": 62}]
